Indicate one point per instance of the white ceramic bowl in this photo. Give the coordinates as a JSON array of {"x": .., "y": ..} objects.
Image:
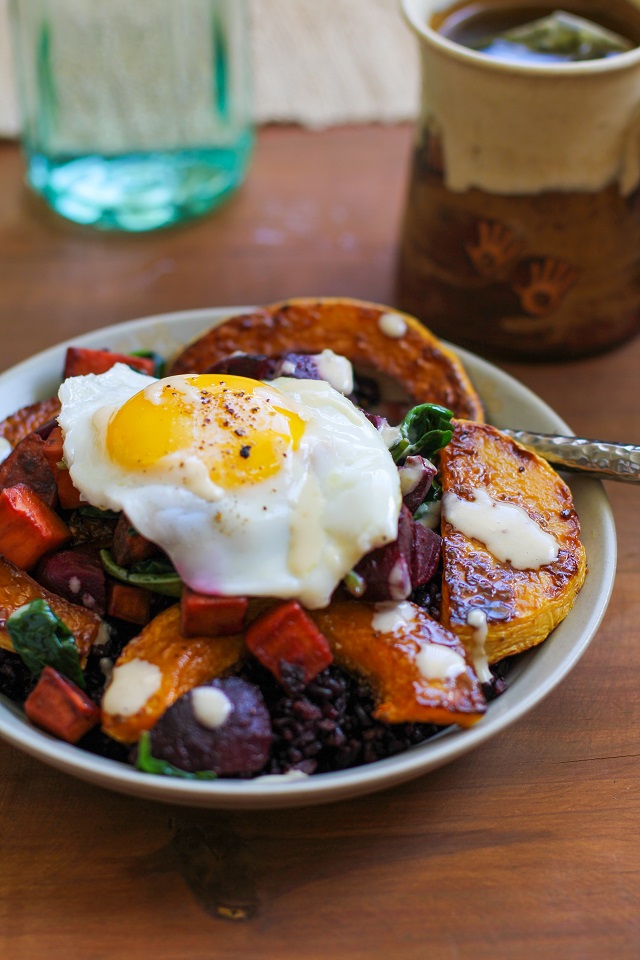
[{"x": 508, "y": 403}]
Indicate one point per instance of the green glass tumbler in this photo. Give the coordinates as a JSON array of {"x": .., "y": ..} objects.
[{"x": 136, "y": 115}]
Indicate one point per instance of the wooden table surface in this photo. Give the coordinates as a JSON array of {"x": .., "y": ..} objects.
[{"x": 528, "y": 847}]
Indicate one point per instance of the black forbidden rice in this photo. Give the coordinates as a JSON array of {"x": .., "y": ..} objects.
[{"x": 327, "y": 725}]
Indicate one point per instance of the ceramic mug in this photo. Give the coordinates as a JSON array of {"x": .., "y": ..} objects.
[{"x": 521, "y": 234}]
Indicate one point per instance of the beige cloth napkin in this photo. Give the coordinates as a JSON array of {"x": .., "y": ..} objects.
[
  {"x": 316, "y": 62},
  {"x": 324, "y": 62}
]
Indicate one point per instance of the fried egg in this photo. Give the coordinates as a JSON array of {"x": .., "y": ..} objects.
[{"x": 251, "y": 488}]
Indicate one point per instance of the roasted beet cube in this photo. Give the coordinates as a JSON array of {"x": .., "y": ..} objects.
[
  {"x": 75, "y": 574},
  {"x": 416, "y": 476},
  {"x": 387, "y": 570},
  {"x": 285, "y": 634},
  {"x": 300, "y": 366},
  {"x": 204, "y": 616},
  {"x": 256, "y": 366},
  {"x": 425, "y": 555},
  {"x": 380, "y": 423},
  {"x": 228, "y": 731},
  {"x": 60, "y": 707}
]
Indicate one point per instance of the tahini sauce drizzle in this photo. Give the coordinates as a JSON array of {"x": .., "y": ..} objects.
[
  {"x": 211, "y": 707},
  {"x": 392, "y": 325},
  {"x": 392, "y": 617},
  {"x": 477, "y": 620},
  {"x": 506, "y": 530},
  {"x": 435, "y": 661},
  {"x": 130, "y": 687}
]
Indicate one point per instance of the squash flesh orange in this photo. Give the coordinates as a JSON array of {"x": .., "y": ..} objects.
[
  {"x": 521, "y": 606},
  {"x": 388, "y": 661}
]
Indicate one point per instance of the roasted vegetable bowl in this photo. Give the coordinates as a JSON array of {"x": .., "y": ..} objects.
[{"x": 292, "y": 702}]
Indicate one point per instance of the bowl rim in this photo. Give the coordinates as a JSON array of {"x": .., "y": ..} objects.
[{"x": 446, "y": 746}]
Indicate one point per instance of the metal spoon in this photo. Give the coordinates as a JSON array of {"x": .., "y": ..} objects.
[{"x": 591, "y": 458}]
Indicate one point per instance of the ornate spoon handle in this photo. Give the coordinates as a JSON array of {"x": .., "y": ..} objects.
[{"x": 591, "y": 458}]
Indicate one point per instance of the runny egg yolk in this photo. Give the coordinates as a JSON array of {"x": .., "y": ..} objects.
[{"x": 239, "y": 429}]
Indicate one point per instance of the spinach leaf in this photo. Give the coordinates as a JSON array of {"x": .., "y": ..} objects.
[
  {"x": 154, "y": 566},
  {"x": 150, "y": 764},
  {"x": 424, "y": 430},
  {"x": 159, "y": 363},
  {"x": 42, "y": 640},
  {"x": 151, "y": 574}
]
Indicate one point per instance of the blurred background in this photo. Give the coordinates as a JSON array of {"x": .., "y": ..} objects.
[{"x": 316, "y": 64}]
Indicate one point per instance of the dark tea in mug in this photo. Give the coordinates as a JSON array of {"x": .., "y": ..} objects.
[{"x": 521, "y": 234}]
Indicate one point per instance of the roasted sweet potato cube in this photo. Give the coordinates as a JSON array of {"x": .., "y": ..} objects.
[
  {"x": 60, "y": 707},
  {"x": 286, "y": 634},
  {"x": 129, "y": 546},
  {"x": 129, "y": 603},
  {"x": 204, "y": 616},
  {"x": 28, "y": 527},
  {"x": 68, "y": 494}
]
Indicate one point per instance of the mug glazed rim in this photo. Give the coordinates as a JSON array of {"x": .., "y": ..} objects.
[{"x": 413, "y": 12}]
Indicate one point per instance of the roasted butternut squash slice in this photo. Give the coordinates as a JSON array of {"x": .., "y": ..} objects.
[
  {"x": 521, "y": 606},
  {"x": 24, "y": 421},
  {"x": 373, "y": 337},
  {"x": 18, "y": 588},
  {"x": 417, "y": 670},
  {"x": 166, "y": 666}
]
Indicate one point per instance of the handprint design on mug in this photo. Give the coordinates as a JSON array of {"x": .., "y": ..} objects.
[
  {"x": 548, "y": 283},
  {"x": 495, "y": 249}
]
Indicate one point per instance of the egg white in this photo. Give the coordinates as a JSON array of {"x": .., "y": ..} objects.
[{"x": 294, "y": 535}]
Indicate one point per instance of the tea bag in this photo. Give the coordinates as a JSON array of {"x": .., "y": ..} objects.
[{"x": 560, "y": 36}]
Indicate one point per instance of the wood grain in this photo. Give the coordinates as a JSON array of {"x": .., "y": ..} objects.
[{"x": 527, "y": 848}]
